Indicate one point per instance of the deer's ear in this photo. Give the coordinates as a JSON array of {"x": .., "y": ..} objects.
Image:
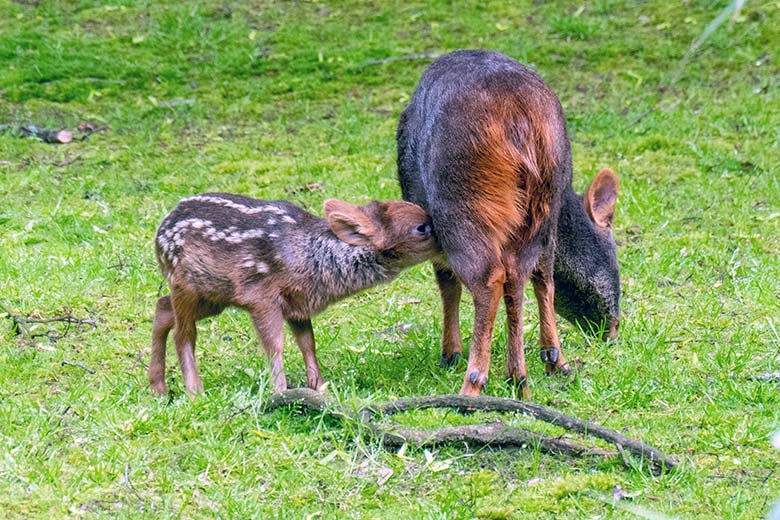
[
  {"x": 601, "y": 196},
  {"x": 349, "y": 223}
]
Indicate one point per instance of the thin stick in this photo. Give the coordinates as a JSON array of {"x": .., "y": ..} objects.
[
  {"x": 498, "y": 434},
  {"x": 129, "y": 483},
  {"x": 82, "y": 366},
  {"x": 501, "y": 404},
  {"x": 767, "y": 376}
]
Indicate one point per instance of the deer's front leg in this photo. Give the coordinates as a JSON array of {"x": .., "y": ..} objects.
[{"x": 544, "y": 290}]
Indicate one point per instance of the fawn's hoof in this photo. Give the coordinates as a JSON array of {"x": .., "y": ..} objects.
[
  {"x": 159, "y": 389},
  {"x": 449, "y": 360}
]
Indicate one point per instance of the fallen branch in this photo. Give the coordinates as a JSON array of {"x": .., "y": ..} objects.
[
  {"x": 21, "y": 325},
  {"x": 87, "y": 129},
  {"x": 502, "y": 404},
  {"x": 61, "y": 136},
  {"x": 495, "y": 434}
]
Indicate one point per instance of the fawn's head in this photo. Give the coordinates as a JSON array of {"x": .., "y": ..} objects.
[
  {"x": 587, "y": 280},
  {"x": 400, "y": 231}
]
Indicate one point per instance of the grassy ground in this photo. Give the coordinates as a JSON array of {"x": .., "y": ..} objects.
[{"x": 263, "y": 97}]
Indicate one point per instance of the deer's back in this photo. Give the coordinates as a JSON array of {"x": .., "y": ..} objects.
[{"x": 483, "y": 148}]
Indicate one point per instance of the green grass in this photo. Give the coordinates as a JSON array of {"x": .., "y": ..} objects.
[{"x": 276, "y": 95}]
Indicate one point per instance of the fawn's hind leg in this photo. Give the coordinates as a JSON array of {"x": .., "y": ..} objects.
[
  {"x": 163, "y": 323},
  {"x": 451, "y": 342},
  {"x": 187, "y": 310},
  {"x": 304, "y": 336}
]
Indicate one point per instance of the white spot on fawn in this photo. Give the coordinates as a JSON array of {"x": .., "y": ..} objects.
[
  {"x": 262, "y": 267},
  {"x": 173, "y": 237},
  {"x": 288, "y": 219},
  {"x": 247, "y": 210}
]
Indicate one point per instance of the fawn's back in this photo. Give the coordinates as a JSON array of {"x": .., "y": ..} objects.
[{"x": 222, "y": 243}]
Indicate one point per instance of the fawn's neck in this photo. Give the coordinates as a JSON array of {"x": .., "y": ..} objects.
[{"x": 336, "y": 269}]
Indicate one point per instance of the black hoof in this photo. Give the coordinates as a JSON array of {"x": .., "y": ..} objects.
[
  {"x": 449, "y": 361},
  {"x": 519, "y": 382},
  {"x": 474, "y": 377},
  {"x": 549, "y": 355}
]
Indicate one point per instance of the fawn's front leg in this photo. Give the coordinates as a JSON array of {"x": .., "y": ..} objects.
[
  {"x": 269, "y": 325},
  {"x": 304, "y": 336}
]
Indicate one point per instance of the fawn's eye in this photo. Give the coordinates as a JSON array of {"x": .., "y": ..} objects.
[{"x": 424, "y": 229}]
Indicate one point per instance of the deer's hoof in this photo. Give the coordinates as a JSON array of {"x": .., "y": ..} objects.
[
  {"x": 521, "y": 384},
  {"x": 564, "y": 369},
  {"x": 474, "y": 383},
  {"x": 549, "y": 355},
  {"x": 449, "y": 361}
]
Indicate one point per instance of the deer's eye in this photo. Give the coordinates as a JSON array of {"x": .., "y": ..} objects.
[{"x": 424, "y": 229}]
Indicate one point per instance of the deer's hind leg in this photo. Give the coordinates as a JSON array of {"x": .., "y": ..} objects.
[
  {"x": 451, "y": 342},
  {"x": 514, "y": 286}
]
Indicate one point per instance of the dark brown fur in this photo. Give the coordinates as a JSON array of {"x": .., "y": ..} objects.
[{"x": 277, "y": 262}]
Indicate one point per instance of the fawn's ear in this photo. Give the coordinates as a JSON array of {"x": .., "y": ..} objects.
[
  {"x": 601, "y": 196},
  {"x": 349, "y": 223}
]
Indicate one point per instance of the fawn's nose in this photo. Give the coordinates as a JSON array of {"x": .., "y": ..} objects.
[{"x": 611, "y": 332}]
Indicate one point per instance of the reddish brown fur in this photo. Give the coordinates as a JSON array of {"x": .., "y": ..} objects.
[{"x": 511, "y": 182}]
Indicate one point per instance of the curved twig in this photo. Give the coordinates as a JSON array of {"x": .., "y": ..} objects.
[
  {"x": 494, "y": 434},
  {"x": 542, "y": 413}
]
